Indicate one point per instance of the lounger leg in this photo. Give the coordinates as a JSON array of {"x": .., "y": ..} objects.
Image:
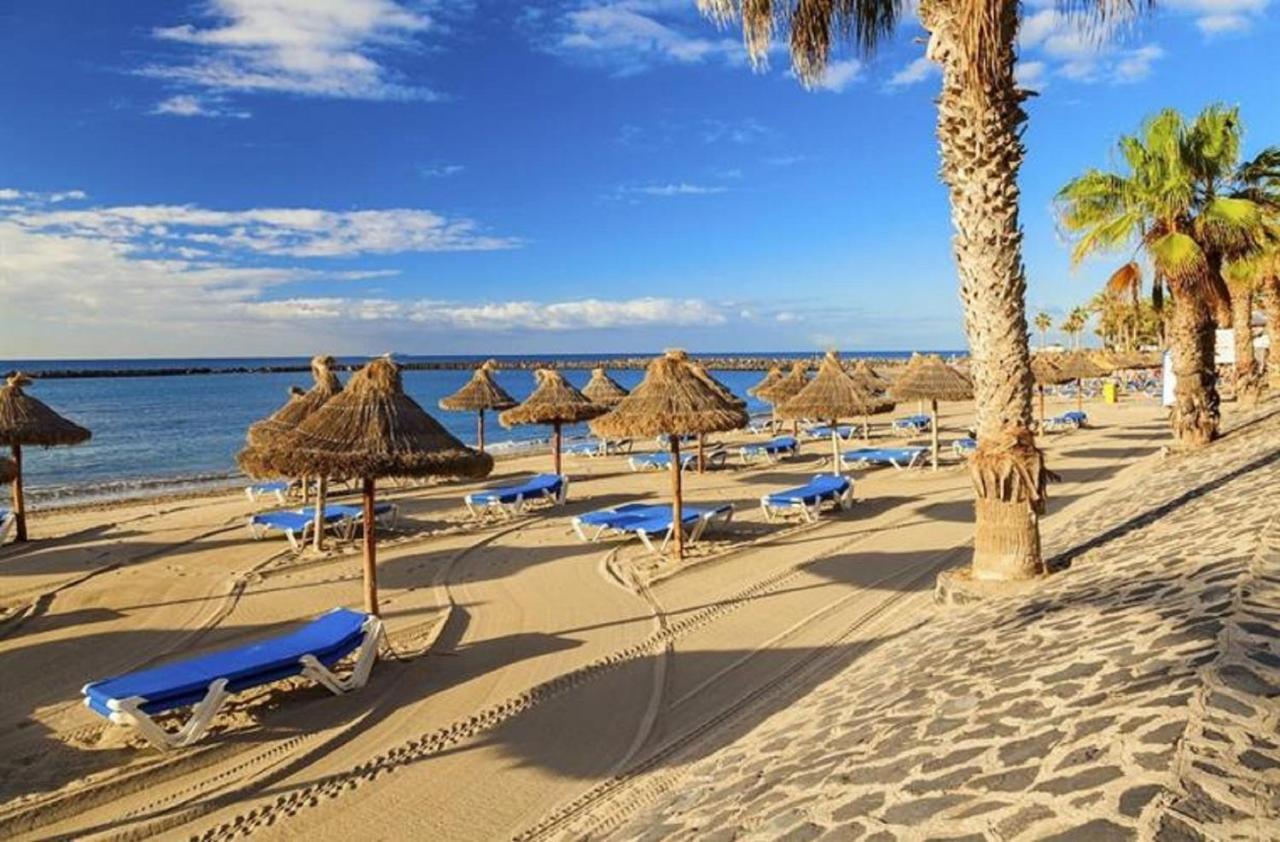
[
  {"x": 128, "y": 712},
  {"x": 293, "y": 539},
  {"x": 649, "y": 544},
  {"x": 764, "y": 504},
  {"x": 253, "y": 529},
  {"x": 280, "y": 496},
  {"x": 368, "y": 654}
]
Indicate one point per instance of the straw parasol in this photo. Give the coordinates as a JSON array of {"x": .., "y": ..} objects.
[
  {"x": 25, "y": 421},
  {"x": 8, "y": 471},
  {"x": 671, "y": 401},
  {"x": 833, "y": 395},
  {"x": 603, "y": 389},
  {"x": 724, "y": 392},
  {"x": 553, "y": 402},
  {"x": 931, "y": 379},
  {"x": 1045, "y": 372},
  {"x": 869, "y": 381},
  {"x": 787, "y": 387},
  {"x": 481, "y": 392},
  {"x": 1078, "y": 366},
  {"x": 773, "y": 376},
  {"x": 372, "y": 430},
  {"x": 266, "y": 433}
]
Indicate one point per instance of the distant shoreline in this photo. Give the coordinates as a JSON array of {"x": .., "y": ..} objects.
[{"x": 711, "y": 361}]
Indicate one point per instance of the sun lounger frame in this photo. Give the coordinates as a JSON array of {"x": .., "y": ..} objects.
[
  {"x": 7, "y": 521},
  {"x": 769, "y": 451},
  {"x": 129, "y": 711},
  {"x": 852, "y": 459},
  {"x": 688, "y": 461},
  {"x": 795, "y": 503},
  {"x": 279, "y": 489},
  {"x": 477, "y": 508},
  {"x": 720, "y": 515}
]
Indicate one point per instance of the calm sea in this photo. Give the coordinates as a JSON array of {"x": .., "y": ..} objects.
[{"x": 155, "y": 435}]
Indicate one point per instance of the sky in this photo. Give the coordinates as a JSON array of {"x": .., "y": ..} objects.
[{"x": 287, "y": 177}]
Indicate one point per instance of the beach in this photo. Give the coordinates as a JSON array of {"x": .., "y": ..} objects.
[{"x": 532, "y": 679}]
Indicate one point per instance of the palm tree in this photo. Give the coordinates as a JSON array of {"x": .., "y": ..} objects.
[
  {"x": 980, "y": 125},
  {"x": 1072, "y": 325},
  {"x": 1175, "y": 201},
  {"x": 1043, "y": 322},
  {"x": 1242, "y": 277}
]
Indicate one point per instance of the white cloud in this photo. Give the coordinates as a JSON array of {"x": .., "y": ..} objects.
[
  {"x": 11, "y": 194},
  {"x": 1220, "y": 17},
  {"x": 783, "y": 160},
  {"x": 322, "y": 48},
  {"x": 787, "y": 317},
  {"x": 289, "y": 232},
  {"x": 681, "y": 188},
  {"x": 440, "y": 170},
  {"x": 839, "y": 75},
  {"x": 189, "y": 105},
  {"x": 1068, "y": 45},
  {"x": 1030, "y": 74},
  {"x": 917, "y": 71},
  {"x": 633, "y": 35}
]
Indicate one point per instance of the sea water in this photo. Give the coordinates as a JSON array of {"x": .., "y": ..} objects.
[{"x": 167, "y": 434}]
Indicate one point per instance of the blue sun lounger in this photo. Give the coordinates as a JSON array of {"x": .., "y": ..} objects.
[
  {"x": 7, "y": 520},
  {"x": 278, "y": 489},
  {"x": 204, "y": 682},
  {"x": 648, "y": 521},
  {"x": 513, "y": 499},
  {"x": 662, "y": 461},
  {"x": 596, "y": 447},
  {"x": 807, "y": 499},
  {"x": 899, "y": 457},
  {"x": 964, "y": 447},
  {"x": 911, "y": 424},
  {"x": 296, "y": 525},
  {"x": 843, "y": 431},
  {"x": 770, "y": 451},
  {"x": 1073, "y": 420}
]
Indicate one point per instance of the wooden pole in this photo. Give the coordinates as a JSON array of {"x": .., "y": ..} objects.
[
  {"x": 480, "y": 430},
  {"x": 702, "y": 462},
  {"x": 866, "y": 427},
  {"x": 19, "y": 505},
  {"x": 1079, "y": 394},
  {"x": 370, "y": 551},
  {"x": 322, "y": 492},
  {"x": 933, "y": 408},
  {"x": 1041, "y": 407},
  {"x": 555, "y": 445},
  {"x": 677, "y": 503},
  {"x": 835, "y": 449}
]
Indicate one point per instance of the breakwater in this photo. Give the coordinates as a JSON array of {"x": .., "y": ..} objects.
[{"x": 711, "y": 361}]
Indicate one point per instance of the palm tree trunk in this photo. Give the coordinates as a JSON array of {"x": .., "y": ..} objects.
[
  {"x": 1247, "y": 379},
  {"x": 979, "y": 130},
  {"x": 1271, "y": 303},
  {"x": 1195, "y": 407}
]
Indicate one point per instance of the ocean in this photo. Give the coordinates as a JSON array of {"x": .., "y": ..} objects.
[{"x": 156, "y": 435}]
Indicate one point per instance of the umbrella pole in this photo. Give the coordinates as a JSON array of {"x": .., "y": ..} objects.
[
  {"x": 866, "y": 427},
  {"x": 677, "y": 504},
  {"x": 835, "y": 449},
  {"x": 702, "y": 464},
  {"x": 933, "y": 408},
  {"x": 480, "y": 431},
  {"x": 555, "y": 445},
  {"x": 1042, "y": 407},
  {"x": 322, "y": 491},
  {"x": 1079, "y": 394},
  {"x": 19, "y": 506},
  {"x": 370, "y": 551}
]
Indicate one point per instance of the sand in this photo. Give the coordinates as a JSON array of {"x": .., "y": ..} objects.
[{"x": 533, "y": 674}]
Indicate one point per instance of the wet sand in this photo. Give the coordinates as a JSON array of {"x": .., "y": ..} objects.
[{"x": 532, "y": 672}]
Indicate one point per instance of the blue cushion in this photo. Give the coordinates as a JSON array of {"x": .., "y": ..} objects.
[
  {"x": 882, "y": 454},
  {"x": 330, "y": 638},
  {"x": 542, "y": 484},
  {"x": 821, "y": 487}
]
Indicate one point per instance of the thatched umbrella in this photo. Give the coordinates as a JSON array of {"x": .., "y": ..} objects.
[
  {"x": 933, "y": 380},
  {"x": 833, "y": 395},
  {"x": 481, "y": 392},
  {"x": 603, "y": 389},
  {"x": 1078, "y": 366},
  {"x": 8, "y": 471},
  {"x": 1045, "y": 372},
  {"x": 266, "y": 433},
  {"x": 372, "y": 430},
  {"x": 725, "y": 394},
  {"x": 787, "y": 387},
  {"x": 671, "y": 401},
  {"x": 554, "y": 402},
  {"x": 766, "y": 383},
  {"x": 869, "y": 381},
  {"x": 24, "y": 421}
]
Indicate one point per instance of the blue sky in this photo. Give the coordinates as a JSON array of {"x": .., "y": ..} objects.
[{"x": 235, "y": 177}]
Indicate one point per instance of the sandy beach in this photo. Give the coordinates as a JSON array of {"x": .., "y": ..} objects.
[{"x": 528, "y": 672}]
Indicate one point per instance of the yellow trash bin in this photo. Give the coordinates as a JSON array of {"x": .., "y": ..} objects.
[{"x": 1110, "y": 392}]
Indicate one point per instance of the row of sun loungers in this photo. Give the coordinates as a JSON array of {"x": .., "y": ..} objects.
[{"x": 662, "y": 461}]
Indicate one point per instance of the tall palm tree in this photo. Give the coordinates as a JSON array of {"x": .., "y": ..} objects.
[
  {"x": 1043, "y": 322},
  {"x": 980, "y": 124},
  {"x": 1072, "y": 325},
  {"x": 1242, "y": 277},
  {"x": 1175, "y": 201}
]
